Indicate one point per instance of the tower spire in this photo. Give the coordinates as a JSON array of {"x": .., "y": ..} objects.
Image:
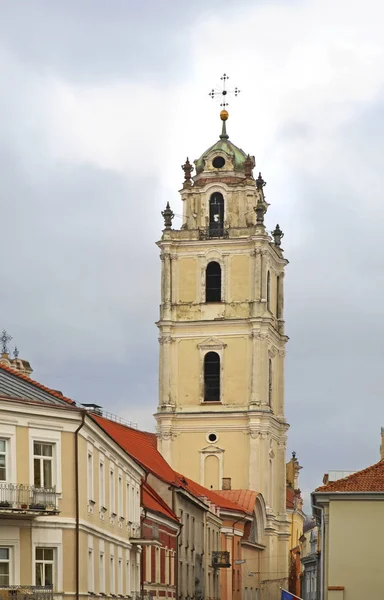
[{"x": 222, "y": 95}]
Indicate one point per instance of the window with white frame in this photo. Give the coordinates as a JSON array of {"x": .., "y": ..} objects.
[
  {"x": 112, "y": 490},
  {"x": 91, "y": 571},
  {"x": 128, "y": 587},
  {"x": 101, "y": 484},
  {"x": 43, "y": 455},
  {"x": 101, "y": 573},
  {"x": 120, "y": 496},
  {"x": 90, "y": 476},
  {"x": 3, "y": 460},
  {"x": 44, "y": 566},
  {"x": 5, "y": 566},
  {"x": 120, "y": 577},
  {"x": 133, "y": 512},
  {"x": 111, "y": 574},
  {"x": 128, "y": 501}
]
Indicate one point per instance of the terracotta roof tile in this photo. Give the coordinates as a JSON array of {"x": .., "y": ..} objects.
[
  {"x": 370, "y": 479},
  {"x": 212, "y": 495},
  {"x": 245, "y": 498},
  {"x": 152, "y": 501},
  {"x": 53, "y": 393},
  {"x": 139, "y": 444}
]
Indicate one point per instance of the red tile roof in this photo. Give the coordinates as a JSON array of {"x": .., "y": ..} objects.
[
  {"x": 152, "y": 501},
  {"x": 139, "y": 444},
  {"x": 36, "y": 383},
  {"x": 214, "y": 496},
  {"x": 245, "y": 498},
  {"x": 370, "y": 479}
]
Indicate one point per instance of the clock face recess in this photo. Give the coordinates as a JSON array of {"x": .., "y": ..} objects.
[{"x": 218, "y": 162}]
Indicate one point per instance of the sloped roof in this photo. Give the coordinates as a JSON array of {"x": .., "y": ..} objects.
[
  {"x": 203, "y": 492},
  {"x": 152, "y": 501},
  {"x": 370, "y": 479},
  {"x": 139, "y": 444},
  {"x": 18, "y": 385},
  {"x": 245, "y": 498}
]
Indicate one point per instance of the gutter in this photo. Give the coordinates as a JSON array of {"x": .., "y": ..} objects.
[{"x": 77, "y": 489}]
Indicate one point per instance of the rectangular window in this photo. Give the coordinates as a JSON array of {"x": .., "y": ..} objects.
[
  {"x": 101, "y": 574},
  {"x": 5, "y": 566},
  {"x": 3, "y": 460},
  {"x": 127, "y": 500},
  {"x": 112, "y": 490},
  {"x": 133, "y": 512},
  {"x": 91, "y": 573},
  {"x": 101, "y": 484},
  {"x": 90, "y": 476},
  {"x": 44, "y": 566},
  {"x": 42, "y": 464},
  {"x": 120, "y": 577},
  {"x": 112, "y": 575},
  {"x": 128, "y": 588},
  {"x": 120, "y": 496}
]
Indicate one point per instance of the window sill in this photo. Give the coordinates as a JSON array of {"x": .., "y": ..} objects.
[{"x": 209, "y": 402}]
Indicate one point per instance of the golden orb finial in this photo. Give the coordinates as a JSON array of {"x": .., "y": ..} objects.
[{"x": 224, "y": 115}]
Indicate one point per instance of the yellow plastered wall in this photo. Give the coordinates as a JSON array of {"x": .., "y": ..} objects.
[
  {"x": 25, "y": 555},
  {"x": 236, "y": 370},
  {"x": 22, "y": 445},
  {"x": 354, "y": 527},
  {"x": 239, "y": 278},
  {"x": 188, "y": 372},
  {"x": 187, "y": 280},
  {"x": 68, "y": 502}
]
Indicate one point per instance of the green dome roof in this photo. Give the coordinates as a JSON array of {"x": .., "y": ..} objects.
[{"x": 223, "y": 145}]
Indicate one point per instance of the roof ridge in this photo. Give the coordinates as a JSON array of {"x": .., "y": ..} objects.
[{"x": 53, "y": 393}]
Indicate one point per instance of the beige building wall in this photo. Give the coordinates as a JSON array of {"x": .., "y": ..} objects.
[
  {"x": 353, "y": 525},
  {"x": 109, "y": 514}
]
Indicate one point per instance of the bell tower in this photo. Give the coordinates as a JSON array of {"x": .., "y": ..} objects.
[{"x": 220, "y": 418}]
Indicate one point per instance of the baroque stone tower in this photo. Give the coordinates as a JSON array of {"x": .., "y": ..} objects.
[{"x": 220, "y": 418}]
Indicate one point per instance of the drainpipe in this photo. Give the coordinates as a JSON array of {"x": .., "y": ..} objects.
[
  {"x": 77, "y": 489},
  {"x": 176, "y": 566},
  {"x": 322, "y": 557},
  {"x": 143, "y": 481}
]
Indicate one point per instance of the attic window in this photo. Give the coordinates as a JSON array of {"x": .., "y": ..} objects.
[{"x": 218, "y": 162}]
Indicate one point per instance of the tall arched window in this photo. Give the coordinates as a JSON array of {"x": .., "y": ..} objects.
[
  {"x": 213, "y": 282},
  {"x": 216, "y": 215},
  {"x": 212, "y": 377},
  {"x": 269, "y": 290},
  {"x": 270, "y": 387}
]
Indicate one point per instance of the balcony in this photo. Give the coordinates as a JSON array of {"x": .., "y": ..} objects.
[
  {"x": 220, "y": 560},
  {"x": 215, "y": 230},
  {"x": 144, "y": 535},
  {"x": 27, "y": 500},
  {"x": 26, "y": 592}
]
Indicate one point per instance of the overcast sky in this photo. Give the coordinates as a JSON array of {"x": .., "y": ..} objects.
[{"x": 101, "y": 103}]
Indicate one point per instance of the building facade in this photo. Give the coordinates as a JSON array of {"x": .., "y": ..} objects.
[
  {"x": 222, "y": 340},
  {"x": 349, "y": 513},
  {"x": 69, "y": 498}
]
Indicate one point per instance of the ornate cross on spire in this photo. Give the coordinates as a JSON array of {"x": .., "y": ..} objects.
[
  {"x": 4, "y": 339},
  {"x": 215, "y": 92}
]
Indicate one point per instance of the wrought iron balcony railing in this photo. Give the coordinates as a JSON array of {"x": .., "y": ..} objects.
[
  {"x": 142, "y": 595},
  {"x": 220, "y": 560},
  {"x": 26, "y": 592},
  {"x": 20, "y": 498},
  {"x": 213, "y": 232}
]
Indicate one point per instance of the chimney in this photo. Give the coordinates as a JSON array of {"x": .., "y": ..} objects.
[{"x": 226, "y": 483}]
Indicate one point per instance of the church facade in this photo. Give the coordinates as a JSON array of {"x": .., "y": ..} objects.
[{"x": 220, "y": 417}]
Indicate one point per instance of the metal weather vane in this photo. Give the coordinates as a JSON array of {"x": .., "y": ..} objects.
[
  {"x": 223, "y": 92},
  {"x": 4, "y": 339}
]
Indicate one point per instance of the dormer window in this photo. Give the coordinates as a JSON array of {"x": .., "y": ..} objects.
[
  {"x": 218, "y": 162},
  {"x": 216, "y": 215}
]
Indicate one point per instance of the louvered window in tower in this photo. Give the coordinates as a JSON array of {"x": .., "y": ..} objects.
[
  {"x": 212, "y": 377},
  {"x": 216, "y": 215},
  {"x": 213, "y": 282}
]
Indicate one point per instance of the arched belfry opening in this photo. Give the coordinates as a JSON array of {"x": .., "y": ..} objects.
[
  {"x": 216, "y": 215},
  {"x": 213, "y": 282},
  {"x": 212, "y": 377}
]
